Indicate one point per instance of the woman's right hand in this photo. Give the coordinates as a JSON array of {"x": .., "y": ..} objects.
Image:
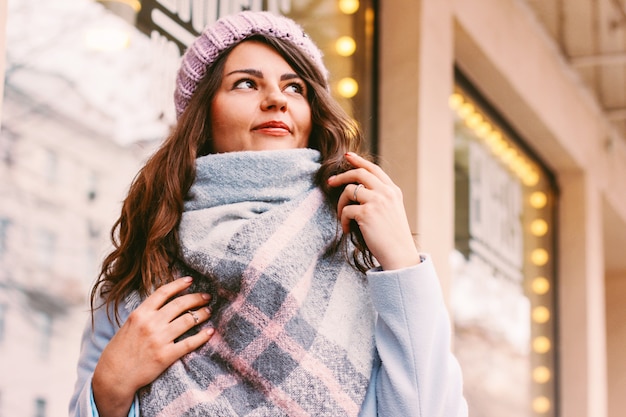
[{"x": 145, "y": 345}]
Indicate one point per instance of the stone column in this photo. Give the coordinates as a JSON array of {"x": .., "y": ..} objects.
[
  {"x": 416, "y": 137},
  {"x": 581, "y": 299}
]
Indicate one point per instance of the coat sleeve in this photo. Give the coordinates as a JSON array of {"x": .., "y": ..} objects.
[
  {"x": 94, "y": 340},
  {"x": 415, "y": 373}
]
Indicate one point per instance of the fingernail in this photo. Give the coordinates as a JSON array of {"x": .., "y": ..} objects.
[
  {"x": 206, "y": 296},
  {"x": 350, "y": 154},
  {"x": 331, "y": 178},
  {"x": 207, "y": 309},
  {"x": 187, "y": 279},
  {"x": 210, "y": 331}
]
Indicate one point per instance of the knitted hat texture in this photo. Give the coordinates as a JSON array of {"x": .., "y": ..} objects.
[{"x": 228, "y": 31}]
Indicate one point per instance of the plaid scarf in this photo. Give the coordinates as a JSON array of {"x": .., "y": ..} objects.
[{"x": 293, "y": 320}]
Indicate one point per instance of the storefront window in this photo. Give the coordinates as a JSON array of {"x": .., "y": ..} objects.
[
  {"x": 503, "y": 295},
  {"x": 343, "y": 29}
]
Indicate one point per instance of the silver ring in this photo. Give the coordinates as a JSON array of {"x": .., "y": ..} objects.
[
  {"x": 194, "y": 315},
  {"x": 356, "y": 190}
]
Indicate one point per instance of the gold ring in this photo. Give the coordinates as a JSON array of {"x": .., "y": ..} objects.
[
  {"x": 356, "y": 190},
  {"x": 194, "y": 315}
]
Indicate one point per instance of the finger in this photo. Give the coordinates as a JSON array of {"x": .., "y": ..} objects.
[
  {"x": 192, "y": 318},
  {"x": 356, "y": 175},
  {"x": 349, "y": 213},
  {"x": 191, "y": 343},
  {"x": 360, "y": 162},
  {"x": 351, "y": 194},
  {"x": 182, "y": 304},
  {"x": 160, "y": 297},
  {"x": 186, "y": 321},
  {"x": 363, "y": 176}
]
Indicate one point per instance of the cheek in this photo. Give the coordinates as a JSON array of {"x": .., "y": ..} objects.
[
  {"x": 222, "y": 121},
  {"x": 305, "y": 120}
]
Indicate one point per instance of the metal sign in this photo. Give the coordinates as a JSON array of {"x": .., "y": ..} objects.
[{"x": 180, "y": 21}]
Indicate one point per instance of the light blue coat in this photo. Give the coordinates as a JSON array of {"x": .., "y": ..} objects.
[{"x": 414, "y": 373}]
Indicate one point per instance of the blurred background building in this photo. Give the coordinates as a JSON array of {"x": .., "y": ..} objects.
[{"x": 504, "y": 122}]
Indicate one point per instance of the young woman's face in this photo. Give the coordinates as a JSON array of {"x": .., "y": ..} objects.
[{"x": 261, "y": 104}]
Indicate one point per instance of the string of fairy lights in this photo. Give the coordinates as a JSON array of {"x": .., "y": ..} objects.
[{"x": 537, "y": 221}]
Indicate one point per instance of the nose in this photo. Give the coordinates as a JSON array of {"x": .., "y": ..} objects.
[{"x": 274, "y": 100}]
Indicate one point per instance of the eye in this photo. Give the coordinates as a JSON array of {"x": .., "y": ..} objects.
[
  {"x": 296, "y": 87},
  {"x": 244, "y": 84}
]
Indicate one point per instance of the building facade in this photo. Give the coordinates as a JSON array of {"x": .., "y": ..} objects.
[
  {"x": 61, "y": 184},
  {"x": 513, "y": 181},
  {"x": 512, "y": 66}
]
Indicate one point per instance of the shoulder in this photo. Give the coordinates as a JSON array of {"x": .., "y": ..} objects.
[{"x": 108, "y": 315}]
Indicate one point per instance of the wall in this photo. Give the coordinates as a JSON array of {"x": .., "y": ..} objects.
[
  {"x": 506, "y": 54},
  {"x": 616, "y": 343},
  {"x": 3, "y": 22}
]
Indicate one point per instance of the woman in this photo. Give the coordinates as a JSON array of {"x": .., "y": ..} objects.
[{"x": 261, "y": 267}]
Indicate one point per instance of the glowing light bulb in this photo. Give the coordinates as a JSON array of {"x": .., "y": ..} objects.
[
  {"x": 538, "y": 199},
  {"x": 539, "y": 227},
  {"x": 541, "y": 344},
  {"x": 483, "y": 130},
  {"x": 540, "y": 285},
  {"x": 473, "y": 120},
  {"x": 499, "y": 148},
  {"x": 509, "y": 156},
  {"x": 493, "y": 138},
  {"x": 541, "y": 374},
  {"x": 541, "y": 405},
  {"x": 345, "y": 46},
  {"x": 455, "y": 101},
  {"x": 541, "y": 314},
  {"x": 465, "y": 110},
  {"x": 539, "y": 257},
  {"x": 517, "y": 164},
  {"x": 348, "y": 6},
  {"x": 531, "y": 179},
  {"x": 133, "y": 4},
  {"x": 347, "y": 87}
]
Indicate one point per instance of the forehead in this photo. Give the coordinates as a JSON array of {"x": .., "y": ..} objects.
[{"x": 254, "y": 54}]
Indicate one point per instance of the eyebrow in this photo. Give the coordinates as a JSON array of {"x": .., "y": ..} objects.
[{"x": 259, "y": 74}]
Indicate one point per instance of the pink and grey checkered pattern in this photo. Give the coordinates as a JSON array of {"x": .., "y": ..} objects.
[
  {"x": 228, "y": 31},
  {"x": 294, "y": 321}
]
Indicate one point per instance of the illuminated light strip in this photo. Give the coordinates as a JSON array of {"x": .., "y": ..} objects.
[
  {"x": 133, "y": 4},
  {"x": 494, "y": 140},
  {"x": 509, "y": 156}
]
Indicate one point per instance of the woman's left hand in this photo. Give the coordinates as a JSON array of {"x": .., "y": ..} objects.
[{"x": 379, "y": 212}]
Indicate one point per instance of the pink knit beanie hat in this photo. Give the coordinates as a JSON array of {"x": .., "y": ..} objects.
[{"x": 228, "y": 31}]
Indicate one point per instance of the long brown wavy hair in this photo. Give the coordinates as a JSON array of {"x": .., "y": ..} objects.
[{"x": 145, "y": 236}]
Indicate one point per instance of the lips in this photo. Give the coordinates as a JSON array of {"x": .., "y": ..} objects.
[{"x": 274, "y": 127}]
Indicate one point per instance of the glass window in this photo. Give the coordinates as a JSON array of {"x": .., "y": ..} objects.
[
  {"x": 51, "y": 169},
  {"x": 40, "y": 407},
  {"x": 8, "y": 141},
  {"x": 3, "y": 313},
  {"x": 4, "y": 228},
  {"x": 343, "y": 29},
  {"x": 46, "y": 242},
  {"x": 45, "y": 334},
  {"x": 93, "y": 183},
  {"x": 503, "y": 270}
]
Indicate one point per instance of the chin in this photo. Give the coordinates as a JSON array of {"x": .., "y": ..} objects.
[{"x": 276, "y": 146}]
